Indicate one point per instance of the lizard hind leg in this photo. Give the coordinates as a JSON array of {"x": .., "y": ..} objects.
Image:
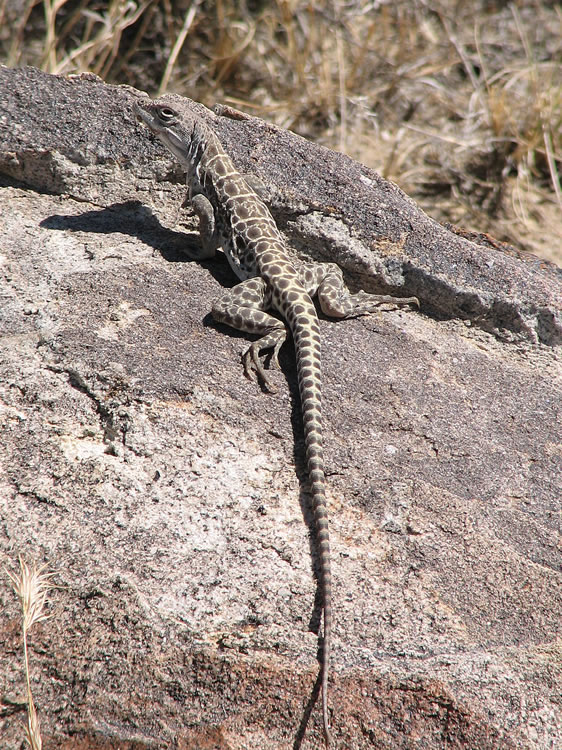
[
  {"x": 244, "y": 308},
  {"x": 326, "y": 281},
  {"x": 251, "y": 357}
]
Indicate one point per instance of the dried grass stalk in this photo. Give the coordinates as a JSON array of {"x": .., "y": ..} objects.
[{"x": 32, "y": 585}]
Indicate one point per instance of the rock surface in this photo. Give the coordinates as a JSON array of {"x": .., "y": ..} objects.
[{"x": 168, "y": 494}]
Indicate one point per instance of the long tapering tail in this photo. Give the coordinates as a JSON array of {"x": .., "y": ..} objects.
[{"x": 306, "y": 335}]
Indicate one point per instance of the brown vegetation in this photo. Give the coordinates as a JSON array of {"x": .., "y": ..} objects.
[
  {"x": 459, "y": 103},
  {"x": 32, "y": 585}
]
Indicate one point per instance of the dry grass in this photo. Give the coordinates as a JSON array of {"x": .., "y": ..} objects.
[
  {"x": 460, "y": 103},
  {"x": 32, "y": 586}
]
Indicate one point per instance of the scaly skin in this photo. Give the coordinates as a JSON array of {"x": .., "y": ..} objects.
[{"x": 231, "y": 215}]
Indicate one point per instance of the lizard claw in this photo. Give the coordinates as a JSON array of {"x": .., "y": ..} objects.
[
  {"x": 275, "y": 356},
  {"x": 251, "y": 361}
]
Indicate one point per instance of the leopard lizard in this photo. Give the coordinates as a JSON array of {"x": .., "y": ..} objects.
[{"x": 232, "y": 216}]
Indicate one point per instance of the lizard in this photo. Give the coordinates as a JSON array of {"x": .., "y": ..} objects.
[{"x": 232, "y": 216}]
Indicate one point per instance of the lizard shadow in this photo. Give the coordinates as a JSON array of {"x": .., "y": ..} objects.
[
  {"x": 130, "y": 217},
  {"x": 314, "y": 696},
  {"x": 137, "y": 220}
]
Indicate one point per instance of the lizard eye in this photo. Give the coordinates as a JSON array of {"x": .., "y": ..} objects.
[{"x": 166, "y": 114}]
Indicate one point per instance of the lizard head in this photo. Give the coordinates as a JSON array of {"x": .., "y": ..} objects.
[{"x": 171, "y": 121}]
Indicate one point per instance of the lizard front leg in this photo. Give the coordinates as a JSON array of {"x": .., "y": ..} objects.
[
  {"x": 244, "y": 308},
  {"x": 208, "y": 233}
]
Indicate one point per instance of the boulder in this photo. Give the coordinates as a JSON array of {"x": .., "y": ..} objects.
[{"x": 168, "y": 495}]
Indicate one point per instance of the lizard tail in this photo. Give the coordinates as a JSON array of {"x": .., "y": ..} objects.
[{"x": 306, "y": 335}]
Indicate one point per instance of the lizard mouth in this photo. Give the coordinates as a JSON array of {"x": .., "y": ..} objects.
[
  {"x": 143, "y": 115},
  {"x": 147, "y": 114}
]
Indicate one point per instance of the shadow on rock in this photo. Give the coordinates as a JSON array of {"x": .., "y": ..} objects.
[{"x": 135, "y": 219}]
